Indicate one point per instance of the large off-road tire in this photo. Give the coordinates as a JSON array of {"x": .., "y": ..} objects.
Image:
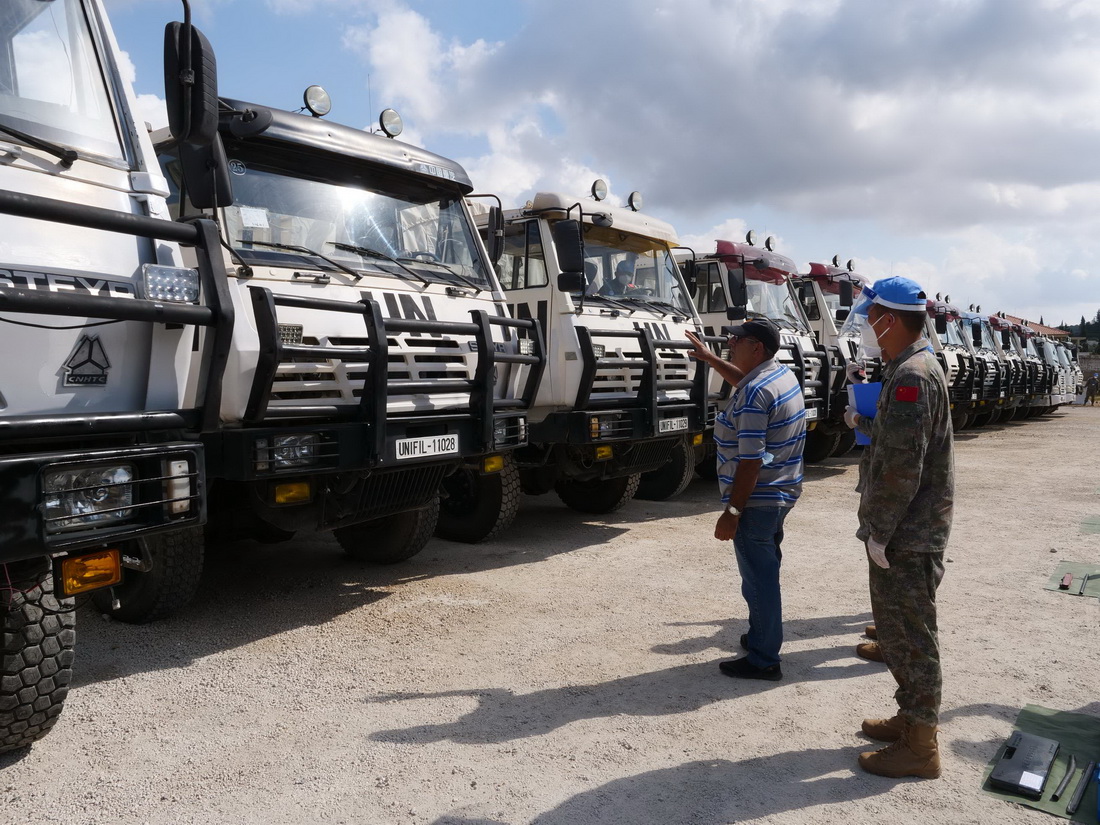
[
  {"x": 172, "y": 581},
  {"x": 958, "y": 421},
  {"x": 708, "y": 468},
  {"x": 37, "y": 637},
  {"x": 819, "y": 446},
  {"x": 391, "y": 539},
  {"x": 672, "y": 479},
  {"x": 982, "y": 419},
  {"x": 598, "y": 496},
  {"x": 845, "y": 444},
  {"x": 479, "y": 507}
]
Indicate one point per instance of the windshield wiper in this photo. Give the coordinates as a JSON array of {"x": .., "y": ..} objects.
[
  {"x": 366, "y": 251},
  {"x": 459, "y": 275},
  {"x": 68, "y": 156},
  {"x": 295, "y": 248},
  {"x": 612, "y": 301},
  {"x": 656, "y": 303}
]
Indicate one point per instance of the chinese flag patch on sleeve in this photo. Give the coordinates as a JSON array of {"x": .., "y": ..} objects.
[{"x": 907, "y": 393}]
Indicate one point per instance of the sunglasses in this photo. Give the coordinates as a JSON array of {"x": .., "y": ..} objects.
[{"x": 733, "y": 339}]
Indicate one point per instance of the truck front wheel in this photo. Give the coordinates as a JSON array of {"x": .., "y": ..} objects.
[
  {"x": 598, "y": 495},
  {"x": 175, "y": 568},
  {"x": 36, "y": 652},
  {"x": 479, "y": 507},
  {"x": 845, "y": 444},
  {"x": 391, "y": 539},
  {"x": 819, "y": 446},
  {"x": 673, "y": 478}
]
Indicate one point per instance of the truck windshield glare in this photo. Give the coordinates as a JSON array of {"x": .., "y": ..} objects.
[
  {"x": 351, "y": 225},
  {"x": 774, "y": 301},
  {"x": 52, "y": 86}
]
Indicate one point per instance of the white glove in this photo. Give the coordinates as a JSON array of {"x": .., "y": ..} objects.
[
  {"x": 856, "y": 373},
  {"x": 851, "y": 417},
  {"x": 877, "y": 553}
]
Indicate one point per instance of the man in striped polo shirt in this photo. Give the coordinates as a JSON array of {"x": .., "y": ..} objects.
[{"x": 760, "y": 436}]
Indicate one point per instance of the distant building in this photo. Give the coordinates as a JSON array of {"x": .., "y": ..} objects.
[{"x": 1042, "y": 329}]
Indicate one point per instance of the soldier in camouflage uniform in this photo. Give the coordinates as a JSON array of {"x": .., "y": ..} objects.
[{"x": 906, "y": 486}]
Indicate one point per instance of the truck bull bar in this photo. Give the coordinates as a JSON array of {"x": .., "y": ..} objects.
[
  {"x": 377, "y": 388},
  {"x": 217, "y": 314},
  {"x": 650, "y": 386}
]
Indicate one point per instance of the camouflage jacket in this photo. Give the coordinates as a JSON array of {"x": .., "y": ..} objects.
[{"x": 907, "y": 472}]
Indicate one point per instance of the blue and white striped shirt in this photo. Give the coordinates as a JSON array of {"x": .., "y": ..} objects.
[{"x": 765, "y": 419}]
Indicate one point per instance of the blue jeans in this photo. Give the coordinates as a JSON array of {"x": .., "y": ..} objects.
[{"x": 757, "y": 545}]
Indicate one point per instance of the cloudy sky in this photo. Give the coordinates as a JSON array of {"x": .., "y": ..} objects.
[{"x": 953, "y": 141}]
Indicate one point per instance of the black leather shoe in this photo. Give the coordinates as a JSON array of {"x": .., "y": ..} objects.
[
  {"x": 742, "y": 669},
  {"x": 744, "y": 641}
]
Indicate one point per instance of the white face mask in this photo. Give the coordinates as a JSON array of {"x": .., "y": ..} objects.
[{"x": 868, "y": 340}]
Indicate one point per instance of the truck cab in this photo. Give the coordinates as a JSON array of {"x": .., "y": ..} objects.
[
  {"x": 373, "y": 358},
  {"x": 742, "y": 280},
  {"x": 619, "y": 397},
  {"x": 1019, "y": 383},
  {"x": 101, "y": 465},
  {"x": 992, "y": 377},
  {"x": 945, "y": 331},
  {"x": 1040, "y": 375},
  {"x": 827, "y": 292}
]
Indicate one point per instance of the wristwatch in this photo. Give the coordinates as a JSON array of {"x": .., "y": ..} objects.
[{"x": 733, "y": 511}]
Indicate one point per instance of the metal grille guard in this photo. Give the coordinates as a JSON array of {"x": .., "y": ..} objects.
[
  {"x": 217, "y": 313},
  {"x": 378, "y": 388},
  {"x": 650, "y": 386}
]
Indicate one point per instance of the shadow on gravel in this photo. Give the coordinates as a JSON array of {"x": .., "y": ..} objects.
[
  {"x": 716, "y": 792},
  {"x": 728, "y": 631},
  {"x": 12, "y": 757},
  {"x": 253, "y": 591},
  {"x": 502, "y": 715}
]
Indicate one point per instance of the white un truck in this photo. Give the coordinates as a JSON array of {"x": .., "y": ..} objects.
[
  {"x": 101, "y": 468},
  {"x": 620, "y": 403},
  {"x": 373, "y": 369}
]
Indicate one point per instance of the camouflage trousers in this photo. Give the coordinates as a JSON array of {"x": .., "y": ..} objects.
[{"x": 903, "y": 601}]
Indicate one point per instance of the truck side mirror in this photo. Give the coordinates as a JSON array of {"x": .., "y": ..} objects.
[
  {"x": 190, "y": 85},
  {"x": 569, "y": 245},
  {"x": 846, "y": 293},
  {"x": 843, "y": 313},
  {"x": 736, "y": 313},
  {"x": 691, "y": 277},
  {"x": 976, "y": 333},
  {"x": 739, "y": 293},
  {"x": 494, "y": 236},
  {"x": 941, "y": 324},
  {"x": 1006, "y": 343},
  {"x": 206, "y": 174}
]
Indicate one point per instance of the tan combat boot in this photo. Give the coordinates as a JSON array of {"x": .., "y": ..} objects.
[
  {"x": 885, "y": 730},
  {"x": 869, "y": 650},
  {"x": 915, "y": 753}
]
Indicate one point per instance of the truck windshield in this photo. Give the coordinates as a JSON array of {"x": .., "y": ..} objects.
[
  {"x": 52, "y": 85},
  {"x": 987, "y": 336},
  {"x": 953, "y": 335},
  {"x": 775, "y": 301},
  {"x": 388, "y": 232},
  {"x": 1030, "y": 348},
  {"x": 620, "y": 265}
]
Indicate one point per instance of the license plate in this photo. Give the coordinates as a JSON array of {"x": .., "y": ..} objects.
[
  {"x": 672, "y": 425},
  {"x": 811, "y": 413},
  {"x": 424, "y": 447}
]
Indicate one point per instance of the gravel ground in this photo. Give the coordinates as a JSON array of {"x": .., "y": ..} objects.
[{"x": 568, "y": 673}]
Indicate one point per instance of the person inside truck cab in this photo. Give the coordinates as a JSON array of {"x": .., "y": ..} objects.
[{"x": 621, "y": 283}]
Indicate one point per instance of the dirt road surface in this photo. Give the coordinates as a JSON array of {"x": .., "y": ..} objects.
[{"x": 568, "y": 674}]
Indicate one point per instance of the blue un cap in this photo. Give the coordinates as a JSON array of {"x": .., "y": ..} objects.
[{"x": 899, "y": 293}]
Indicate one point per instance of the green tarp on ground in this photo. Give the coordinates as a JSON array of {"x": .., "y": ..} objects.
[
  {"x": 1078, "y": 569},
  {"x": 1079, "y": 735}
]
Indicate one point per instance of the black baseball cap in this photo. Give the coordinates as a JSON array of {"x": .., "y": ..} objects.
[{"x": 763, "y": 330}]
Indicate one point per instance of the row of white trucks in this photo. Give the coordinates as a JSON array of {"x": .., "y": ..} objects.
[{"x": 257, "y": 322}]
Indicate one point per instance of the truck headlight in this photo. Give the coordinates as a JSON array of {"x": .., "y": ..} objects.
[
  {"x": 526, "y": 346},
  {"x": 294, "y": 450},
  {"x": 85, "y": 497},
  {"x": 171, "y": 283}
]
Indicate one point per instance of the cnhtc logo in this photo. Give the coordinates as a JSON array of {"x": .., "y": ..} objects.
[{"x": 88, "y": 364}]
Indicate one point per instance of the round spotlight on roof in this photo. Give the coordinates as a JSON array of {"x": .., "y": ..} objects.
[
  {"x": 599, "y": 189},
  {"x": 317, "y": 101},
  {"x": 851, "y": 265},
  {"x": 750, "y": 238},
  {"x": 391, "y": 123},
  {"x": 635, "y": 201},
  {"x": 836, "y": 260},
  {"x": 769, "y": 243}
]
